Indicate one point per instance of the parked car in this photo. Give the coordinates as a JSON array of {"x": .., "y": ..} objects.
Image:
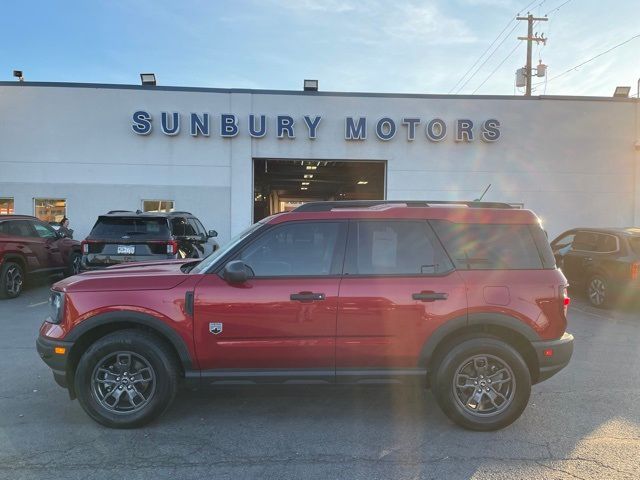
[
  {"x": 603, "y": 262},
  {"x": 30, "y": 247},
  {"x": 122, "y": 236},
  {"x": 462, "y": 298}
]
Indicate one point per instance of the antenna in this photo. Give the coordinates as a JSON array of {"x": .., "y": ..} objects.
[{"x": 483, "y": 194}]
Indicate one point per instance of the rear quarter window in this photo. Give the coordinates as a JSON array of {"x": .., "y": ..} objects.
[
  {"x": 634, "y": 243},
  {"x": 473, "y": 246}
]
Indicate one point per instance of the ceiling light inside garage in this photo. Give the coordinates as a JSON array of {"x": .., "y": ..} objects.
[
  {"x": 362, "y": 182},
  {"x": 311, "y": 167}
]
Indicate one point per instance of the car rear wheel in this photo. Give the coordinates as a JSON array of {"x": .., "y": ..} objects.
[
  {"x": 598, "y": 291},
  {"x": 126, "y": 379},
  {"x": 482, "y": 383},
  {"x": 11, "y": 280},
  {"x": 74, "y": 264}
]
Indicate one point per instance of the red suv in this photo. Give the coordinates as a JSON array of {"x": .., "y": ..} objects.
[
  {"x": 30, "y": 247},
  {"x": 464, "y": 298}
]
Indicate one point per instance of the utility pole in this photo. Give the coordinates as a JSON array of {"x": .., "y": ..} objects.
[{"x": 530, "y": 38}]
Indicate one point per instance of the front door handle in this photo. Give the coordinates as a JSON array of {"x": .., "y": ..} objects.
[
  {"x": 307, "y": 296},
  {"x": 430, "y": 296}
]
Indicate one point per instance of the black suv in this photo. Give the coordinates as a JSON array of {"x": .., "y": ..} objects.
[
  {"x": 605, "y": 262},
  {"x": 124, "y": 236}
]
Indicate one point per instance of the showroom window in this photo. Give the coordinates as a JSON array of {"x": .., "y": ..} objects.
[
  {"x": 6, "y": 206},
  {"x": 157, "y": 206},
  {"x": 50, "y": 209}
]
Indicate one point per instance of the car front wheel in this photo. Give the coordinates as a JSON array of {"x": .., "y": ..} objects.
[
  {"x": 482, "y": 383},
  {"x": 11, "y": 280},
  {"x": 126, "y": 379}
]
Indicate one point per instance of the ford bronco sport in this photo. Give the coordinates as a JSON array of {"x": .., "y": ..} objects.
[{"x": 464, "y": 298}]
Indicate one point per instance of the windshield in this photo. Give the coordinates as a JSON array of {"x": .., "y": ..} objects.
[
  {"x": 119, "y": 227},
  {"x": 208, "y": 261}
]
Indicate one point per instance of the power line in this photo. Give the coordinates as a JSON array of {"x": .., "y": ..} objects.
[
  {"x": 487, "y": 59},
  {"x": 593, "y": 58},
  {"x": 482, "y": 55},
  {"x": 557, "y": 8},
  {"x": 490, "y": 45},
  {"x": 499, "y": 65}
]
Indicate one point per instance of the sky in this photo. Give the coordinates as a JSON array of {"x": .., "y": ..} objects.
[{"x": 347, "y": 45}]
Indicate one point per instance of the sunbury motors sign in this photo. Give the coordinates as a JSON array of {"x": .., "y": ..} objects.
[{"x": 228, "y": 125}]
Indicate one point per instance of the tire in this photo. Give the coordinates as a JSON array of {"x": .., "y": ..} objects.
[
  {"x": 598, "y": 292},
  {"x": 488, "y": 411},
  {"x": 151, "y": 371},
  {"x": 11, "y": 280},
  {"x": 75, "y": 261}
]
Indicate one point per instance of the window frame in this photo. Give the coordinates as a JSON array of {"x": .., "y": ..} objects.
[
  {"x": 173, "y": 202},
  {"x": 35, "y": 213},
  {"x": 351, "y": 251},
  {"x": 338, "y": 254},
  {"x": 9, "y": 200}
]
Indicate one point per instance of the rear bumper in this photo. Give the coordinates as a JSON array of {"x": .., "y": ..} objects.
[
  {"x": 560, "y": 350},
  {"x": 56, "y": 361},
  {"x": 100, "y": 262}
]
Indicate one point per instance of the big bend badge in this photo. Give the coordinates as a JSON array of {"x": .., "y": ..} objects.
[{"x": 215, "y": 328}]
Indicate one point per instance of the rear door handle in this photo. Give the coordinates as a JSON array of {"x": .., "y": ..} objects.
[
  {"x": 307, "y": 296},
  {"x": 430, "y": 296}
]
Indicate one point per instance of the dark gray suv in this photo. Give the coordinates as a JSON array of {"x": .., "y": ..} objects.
[{"x": 124, "y": 236}]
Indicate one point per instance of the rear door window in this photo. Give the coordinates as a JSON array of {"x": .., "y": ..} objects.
[
  {"x": 606, "y": 243},
  {"x": 394, "y": 248},
  {"x": 585, "y": 242},
  {"x": 493, "y": 246},
  {"x": 119, "y": 227},
  {"x": 182, "y": 228}
]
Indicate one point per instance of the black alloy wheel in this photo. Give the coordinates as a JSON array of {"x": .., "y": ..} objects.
[
  {"x": 126, "y": 379},
  {"x": 11, "y": 280},
  {"x": 481, "y": 383}
]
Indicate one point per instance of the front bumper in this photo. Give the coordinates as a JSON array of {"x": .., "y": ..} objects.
[
  {"x": 56, "y": 361},
  {"x": 561, "y": 351}
]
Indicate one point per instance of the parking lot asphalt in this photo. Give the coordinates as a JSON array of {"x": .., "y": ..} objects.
[{"x": 583, "y": 423}]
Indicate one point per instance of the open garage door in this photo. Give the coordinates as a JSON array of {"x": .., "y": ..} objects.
[{"x": 282, "y": 185}]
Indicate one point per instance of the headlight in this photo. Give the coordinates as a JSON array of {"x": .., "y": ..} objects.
[{"x": 56, "y": 307}]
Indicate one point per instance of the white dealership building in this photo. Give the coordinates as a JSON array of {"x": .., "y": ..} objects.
[{"x": 230, "y": 156}]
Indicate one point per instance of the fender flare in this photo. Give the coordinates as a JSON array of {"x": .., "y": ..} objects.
[
  {"x": 459, "y": 323},
  {"x": 8, "y": 257},
  {"x": 126, "y": 316}
]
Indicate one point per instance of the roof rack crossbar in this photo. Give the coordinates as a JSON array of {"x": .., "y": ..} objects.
[{"x": 330, "y": 205}]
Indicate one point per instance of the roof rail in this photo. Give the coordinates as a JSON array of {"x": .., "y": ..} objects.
[
  {"x": 327, "y": 206},
  {"x": 180, "y": 212},
  {"x": 119, "y": 211}
]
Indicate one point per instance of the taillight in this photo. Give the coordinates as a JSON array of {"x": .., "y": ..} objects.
[
  {"x": 635, "y": 269},
  {"x": 85, "y": 247},
  {"x": 172, "y": 247},
  {"x": 564, "y": 299}
]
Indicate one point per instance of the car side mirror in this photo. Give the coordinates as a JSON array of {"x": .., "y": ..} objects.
[
  {"x": 237, "y": 271},
  {"x": 212, "y": 234}
]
